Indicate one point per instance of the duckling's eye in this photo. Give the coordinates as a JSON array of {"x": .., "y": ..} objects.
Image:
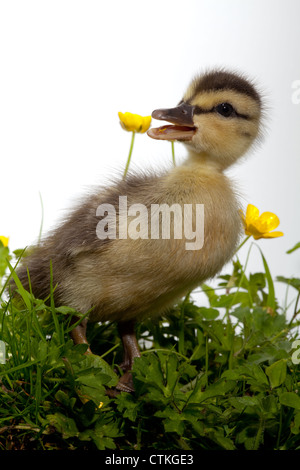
[{"x": 225, "y": 109}]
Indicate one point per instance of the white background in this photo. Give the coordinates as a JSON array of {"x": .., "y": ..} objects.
[{"x": 67, "y": 67}]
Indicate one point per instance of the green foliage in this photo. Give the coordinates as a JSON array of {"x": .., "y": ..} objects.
[{"x": 213, "y": 377}]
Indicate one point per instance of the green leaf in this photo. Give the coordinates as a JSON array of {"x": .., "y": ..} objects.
[
  {"x": 224, "y": 442},
  {"x": 148, "y": 370},
  {"x": 251, "y": 373},
  {"x": 270, "y": 404},
  {"x": 240, "y": 403},
  {"x": 93, "y": 380},
  {"x": 91, "y": 387},
  {"x": 290, "y": 399},
  {"x": 104, "y": 434},
  {"x": 277, "y": 373},
  {"x": 219, "y": 331},
  {"x": 228, "y": 300},
  {"x": 64, "y": 425},
  {"x": 210, "y": 293},
  {"x": 64, "y": 399},
  {"x": 20, "y": 252},
  {"x": 295, "y": 428},
  {"x": 174, "y": 426},
  {"x": 4, "y": 255},
  {"x": 248, "y": 436},
  {"x": 127, "y": 405},
  {"x": 258, "y": 280},
  {"x": 171, "y": 373},
  {"x": 96, "y": 362},
  {"x": 296, "y": 247},
  {"x": 66, "y": 310},
  {"x": 293, "y": 281},
  {"x": 208, "y": 313},
  {"x": 257, "y": 372},
  {"x": 221, "y": 387}
]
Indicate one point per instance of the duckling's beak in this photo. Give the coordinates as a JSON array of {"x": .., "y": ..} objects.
[{"x": 182, "y": 118}]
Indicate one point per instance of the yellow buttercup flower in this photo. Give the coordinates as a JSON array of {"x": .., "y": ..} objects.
[
  {"x": 4, "y": 240},
  {"x": 260, "y": 226},
  {"x": 134, "y": 122}
]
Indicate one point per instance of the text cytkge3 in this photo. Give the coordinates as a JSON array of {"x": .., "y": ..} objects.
[{"x": 153, "y": 459}]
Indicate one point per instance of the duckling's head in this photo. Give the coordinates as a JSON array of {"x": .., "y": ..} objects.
[{"x": 218, "y": 118}]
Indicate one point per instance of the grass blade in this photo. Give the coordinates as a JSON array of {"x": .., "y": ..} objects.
[
  {"x": 24, "y": 294},
  {"x": 271, "y": 301}
]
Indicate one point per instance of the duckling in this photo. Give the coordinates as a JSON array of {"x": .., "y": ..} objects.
[{"x": 126, "y": 279}]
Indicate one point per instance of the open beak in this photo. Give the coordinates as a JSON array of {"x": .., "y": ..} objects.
[{"x": 182, "y": 127}]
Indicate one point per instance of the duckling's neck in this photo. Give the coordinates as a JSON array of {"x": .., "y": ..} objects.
[{"x": 202, "y": 160}]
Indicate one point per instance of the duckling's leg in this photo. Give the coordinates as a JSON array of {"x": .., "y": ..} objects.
[
  {"x": 130, "y": 347},
  {"x": 131, "y": 350},
  {"x": 78, "y": 334}
]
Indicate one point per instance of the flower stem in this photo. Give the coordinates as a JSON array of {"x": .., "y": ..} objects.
[
  {"x": 173, "y": 153},
  {"x": 243, "y": 242},
  {"x": 295, "y": 309},
  {"x": 259, "y": 435},
  {"x": 129, "y": 155},
  {"x": 206, "y": 360}
]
